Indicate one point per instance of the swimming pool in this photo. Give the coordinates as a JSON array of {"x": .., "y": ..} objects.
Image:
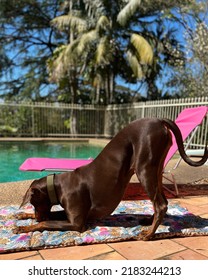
[{"x": 12, "y": 155}]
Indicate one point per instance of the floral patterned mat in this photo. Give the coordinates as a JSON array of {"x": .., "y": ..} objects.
[{"x": 123, "y": 224}]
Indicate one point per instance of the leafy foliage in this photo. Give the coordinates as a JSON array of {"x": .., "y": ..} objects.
[
  {"x": 26, "y": 41},
  {"x": 94, "y": 51},
  {"x": 192, "y": 80}
]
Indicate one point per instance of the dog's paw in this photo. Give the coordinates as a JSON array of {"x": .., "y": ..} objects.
[
  {"x": 19, "y": 216},
  {"x": 21, "y": 229},
  {"x": 24, "y": 216},
  {"x": 145, "y": 235}
]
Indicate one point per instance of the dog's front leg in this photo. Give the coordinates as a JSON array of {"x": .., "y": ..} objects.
[
  {"x": 75, "y": 222},
  {"x": 50, "y": 226},
  {"x": 24, "y": 216},
  {"x": 54, "y": 215}
]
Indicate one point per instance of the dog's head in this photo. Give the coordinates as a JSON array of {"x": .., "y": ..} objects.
[{"x": 37, "y": 195}]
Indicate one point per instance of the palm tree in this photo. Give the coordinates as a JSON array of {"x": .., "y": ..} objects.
[
  {"x": 107, "y": 39},
  {"x": 95, "y": 51}
]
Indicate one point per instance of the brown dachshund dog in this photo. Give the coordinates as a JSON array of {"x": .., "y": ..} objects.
[{"x": 93, "y": 191}]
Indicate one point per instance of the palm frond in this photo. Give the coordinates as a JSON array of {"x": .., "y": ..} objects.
[
  {"x": 57, "y": 68},
  {"x": 70, "y": 54},
  {"x": 128, "y": 11},
  {"x": 63, "y": 59},
  {"x": 103, "y": 24},
  {"x": 86, "y": 40},
  {"x": 134, "y": 64},
  {"x": 143, "y": 49},
  {"x": 94, "y": 7},
  {"x": 64, "y": 22},
  {"x": 103, "y": 52}
]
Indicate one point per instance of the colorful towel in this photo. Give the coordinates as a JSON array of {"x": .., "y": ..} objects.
[{"x": 122, "y": 225}]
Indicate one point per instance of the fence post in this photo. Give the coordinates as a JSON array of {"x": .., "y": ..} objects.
[
  {"x": 105, "y": 130},
  {"x": 33, "y": 121},
  {"x": 143, "y": 109}
]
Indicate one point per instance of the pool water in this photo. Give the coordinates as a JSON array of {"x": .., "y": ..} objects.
[{"x": 13, "y": 154}]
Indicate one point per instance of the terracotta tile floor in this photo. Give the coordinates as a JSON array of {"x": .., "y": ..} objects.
[{"x": 191, "y": 248}]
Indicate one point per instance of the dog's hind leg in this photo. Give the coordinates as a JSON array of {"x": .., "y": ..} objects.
[{"x": 151, "y": 179}]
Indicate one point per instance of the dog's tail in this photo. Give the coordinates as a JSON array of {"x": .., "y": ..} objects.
[{"x": 179, "y": 140}]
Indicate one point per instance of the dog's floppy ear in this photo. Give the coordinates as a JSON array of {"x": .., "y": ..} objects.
[
  {"x": 28, "y": 194},
  {"x": 26, "y": 198},
  {"x": 34, "y": 191}
]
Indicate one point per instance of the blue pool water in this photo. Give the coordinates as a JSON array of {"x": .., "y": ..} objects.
[{"x": 13, "y": 154}]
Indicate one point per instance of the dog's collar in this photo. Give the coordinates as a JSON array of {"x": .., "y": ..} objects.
[{"x": 51, "y": 190}]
